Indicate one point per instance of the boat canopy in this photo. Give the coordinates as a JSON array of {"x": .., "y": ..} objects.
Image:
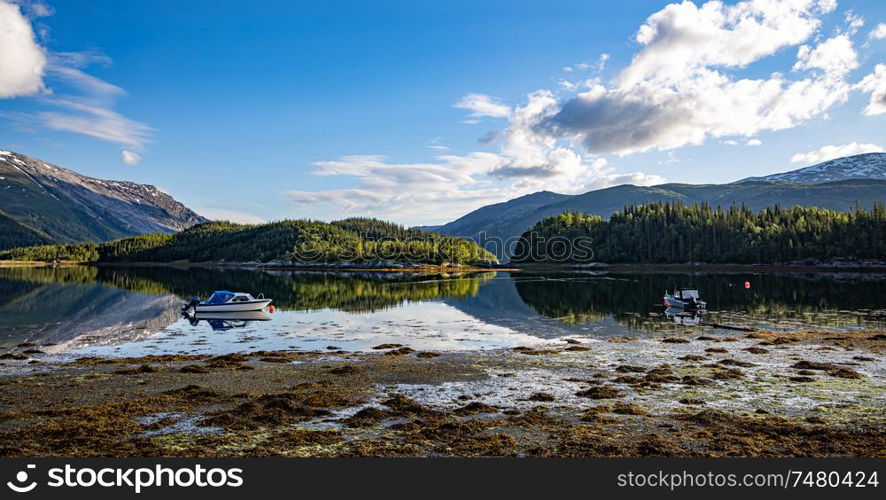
[
  {"x": 220, "y": 297},
  {"x": 689, "y": 294}
]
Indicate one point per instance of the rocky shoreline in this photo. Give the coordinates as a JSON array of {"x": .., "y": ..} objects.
[{"x": 756, "y": 394}]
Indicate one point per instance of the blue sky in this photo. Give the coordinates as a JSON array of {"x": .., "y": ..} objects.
[{"x": 418, "y": 112}]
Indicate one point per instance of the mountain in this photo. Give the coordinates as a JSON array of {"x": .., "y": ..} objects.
[
  {"x": 496, "y": 219},
  {"x": 517, "y": 218},
  {"x": 499, "y": 220},
  {"x": 43, "y": 203},
  {"x": 863, "y": 166}
]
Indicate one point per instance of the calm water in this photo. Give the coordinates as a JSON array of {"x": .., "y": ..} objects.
[{"x": 135, "y": 311}]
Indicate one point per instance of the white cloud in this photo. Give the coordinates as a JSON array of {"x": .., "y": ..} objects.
[
  {"x": 684, "y": 37},
  {"x": 82, "y": 58},
  {"x": 680, "y": 88},
  {"x": 601, "y": 175},
  {"x": 22, "y": 60},
  {"x": 436, "y": 145},
  {"x": 835, "y": 56},
  {"x": 597, "y": 66},
  {"x": 826, "y": 6},
  {"x": 649, "y": 116},
  {"x": 230, "y": 215},
  {"x": 481, "y": 105},
  {"x": 84, "y": 82},
  {"x": 671, "y": 159},
  {"x": 754, "y": 142},
  {"x": 875, "y": 83},
  {"x": 854, "y": 22},
  {"x": 830, "y": 152},
  {"x": 879, "y": 32},
  {"x": 95, "y": 121},
  {"x": 73, "y": 100},
  {"x": 528, "y": 153},
  {"x": 568, "y": 85},
  {"x": 130, "y": 158},
  {"x": 534, "y": 161}
]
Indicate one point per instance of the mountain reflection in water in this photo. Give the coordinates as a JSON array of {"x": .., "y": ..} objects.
[{"x": 110, "y": 307}]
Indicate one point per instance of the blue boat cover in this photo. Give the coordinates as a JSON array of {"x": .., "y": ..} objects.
[{"x": 220, "y": 297}]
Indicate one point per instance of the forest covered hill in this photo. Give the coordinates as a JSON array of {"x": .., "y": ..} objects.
[
  {"x": 286, "y": 242},
  {"x": 678, "y": 233}
]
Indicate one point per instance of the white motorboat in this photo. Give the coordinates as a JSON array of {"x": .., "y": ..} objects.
[
  {"x": 225, "y": 301},
  {"x": 684, "y": 298}
]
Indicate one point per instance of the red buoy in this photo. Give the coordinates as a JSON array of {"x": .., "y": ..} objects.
[{"x": 271, "y": 308}]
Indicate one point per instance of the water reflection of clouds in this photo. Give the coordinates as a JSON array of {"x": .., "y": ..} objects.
[{"x": 433, "y": 326}]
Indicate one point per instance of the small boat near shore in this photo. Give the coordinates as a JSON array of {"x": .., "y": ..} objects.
[
  {"x": 222, "y": 301},
  {"x": 684, "y": 298}
]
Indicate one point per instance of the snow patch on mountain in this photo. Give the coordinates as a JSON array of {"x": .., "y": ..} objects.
[{"x": 862, "y": 166}]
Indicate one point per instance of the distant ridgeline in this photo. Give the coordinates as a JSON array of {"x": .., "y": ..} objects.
[
  {"x": 300, "y": 241},
  {"x": 677, "y": 233}
]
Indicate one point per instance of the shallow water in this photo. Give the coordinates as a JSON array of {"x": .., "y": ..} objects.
[{"x": 135, "y": 311}]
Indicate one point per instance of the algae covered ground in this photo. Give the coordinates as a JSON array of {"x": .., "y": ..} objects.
[{"x": 699, "y": 393}]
